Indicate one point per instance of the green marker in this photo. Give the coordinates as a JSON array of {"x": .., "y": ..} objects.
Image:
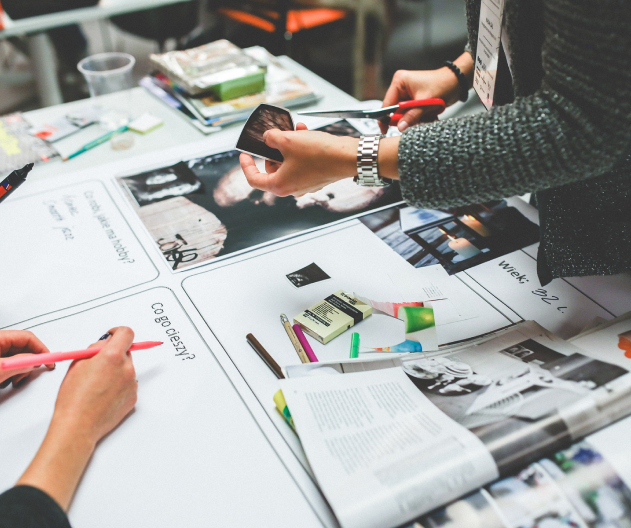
[
  {"x": 354, "y": 345},
  {"x": 96, "y": 142}
]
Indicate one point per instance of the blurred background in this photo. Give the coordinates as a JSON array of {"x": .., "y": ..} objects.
[{"x": 331, "y": 37}]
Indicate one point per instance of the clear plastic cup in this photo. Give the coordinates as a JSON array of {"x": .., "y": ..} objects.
[{"x": 107, "y": 72}]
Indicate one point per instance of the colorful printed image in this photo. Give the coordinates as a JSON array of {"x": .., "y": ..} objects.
[
  {"x": 203, "y": 209},
  {"x": 592, "y": 486},
  {"x": 420, "y": 325},
  {"x": 18, "y": 147},
  {"x": 457, "y": 238},
  {"x": 576, "y": 488}
]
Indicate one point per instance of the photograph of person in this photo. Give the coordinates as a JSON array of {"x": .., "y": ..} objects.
[{"x": 207, "y": 203}]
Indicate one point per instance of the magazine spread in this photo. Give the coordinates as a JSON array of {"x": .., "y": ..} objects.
[{"x": 404, "y": 436}]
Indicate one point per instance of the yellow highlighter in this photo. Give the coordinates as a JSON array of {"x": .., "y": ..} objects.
[{"x": 281, "y": 407}]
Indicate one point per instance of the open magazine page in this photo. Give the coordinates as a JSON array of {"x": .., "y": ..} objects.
[
  {"x": 382, "y": 453},
  {"x": 584, "y": 486},
  {"x": 524, "y": 394}
]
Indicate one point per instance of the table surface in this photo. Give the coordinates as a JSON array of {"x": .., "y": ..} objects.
[
  {"x": 175, "y": 131},
  {"x": 287, "y": 495},
  {"x": 104, "y": 9}
]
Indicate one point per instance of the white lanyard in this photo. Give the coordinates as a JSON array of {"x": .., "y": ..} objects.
[{"x": 487, "y": 56}]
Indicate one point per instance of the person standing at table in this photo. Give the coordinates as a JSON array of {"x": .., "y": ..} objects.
[
  {"x": 559, "y": 125},
  {"x": 94, "y": 397}
]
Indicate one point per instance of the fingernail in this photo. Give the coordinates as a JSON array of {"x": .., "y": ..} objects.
[
  {"x": 402, "y": 126},
  {"x": 104, "y": 336}
]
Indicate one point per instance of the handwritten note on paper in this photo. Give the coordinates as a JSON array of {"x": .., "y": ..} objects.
[
  {"x": 558, "y": 306},
  {"x": 189, "y": 430},
  {"x": 68, "y": 246}
]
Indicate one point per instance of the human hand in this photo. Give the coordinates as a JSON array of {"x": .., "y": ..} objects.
[
  {"x": 312, "y": 160},
  {"x": 426, "y": 84},
  {"x": 97, "y": 393},
  {"x": 16, "y": 343}
]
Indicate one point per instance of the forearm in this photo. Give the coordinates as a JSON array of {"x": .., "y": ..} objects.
[{"x": 59, "y": 463}]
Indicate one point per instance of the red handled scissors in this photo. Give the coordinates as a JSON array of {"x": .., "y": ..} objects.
[{"x": 433, "y": 107}]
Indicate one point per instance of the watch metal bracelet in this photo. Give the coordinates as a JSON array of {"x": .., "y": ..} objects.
[{"x": 367, "y": 170}]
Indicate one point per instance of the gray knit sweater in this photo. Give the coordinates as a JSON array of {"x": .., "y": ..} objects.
[{"x": 567, "y": 135}]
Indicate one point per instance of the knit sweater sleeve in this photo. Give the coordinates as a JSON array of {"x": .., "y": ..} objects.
[
  {"x": 29, "y": 507},
  {"x": 576, "y": 125}
]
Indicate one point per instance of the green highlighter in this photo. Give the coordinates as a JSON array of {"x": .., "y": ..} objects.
[
  {"x": 354, "y": 345},
  {"x": 96, "y": 142}
]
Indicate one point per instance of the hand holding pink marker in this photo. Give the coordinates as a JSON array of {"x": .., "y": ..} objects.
[{"x": 46, "y": 359}]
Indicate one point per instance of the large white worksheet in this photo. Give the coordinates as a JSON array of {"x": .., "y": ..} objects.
[
  {"x": 195, "y": 451},
  {"x": 188, "y": 453},
  {"x": 67, "y": 246}
]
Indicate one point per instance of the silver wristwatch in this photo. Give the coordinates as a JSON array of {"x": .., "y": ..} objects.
[{"x": 367, "y": 170}]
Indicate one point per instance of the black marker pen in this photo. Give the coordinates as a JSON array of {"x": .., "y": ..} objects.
[{"x": 13, "y": 181}]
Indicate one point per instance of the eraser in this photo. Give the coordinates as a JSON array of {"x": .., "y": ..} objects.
[{"x": 332, "y": 316}]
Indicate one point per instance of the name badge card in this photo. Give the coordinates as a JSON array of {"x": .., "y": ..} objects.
[{"x": 489, "y": 40}]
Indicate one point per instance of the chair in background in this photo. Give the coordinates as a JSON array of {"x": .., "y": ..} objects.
[
  {"x": 278, "y": 19},
  {"x": 281, "y": 19}
]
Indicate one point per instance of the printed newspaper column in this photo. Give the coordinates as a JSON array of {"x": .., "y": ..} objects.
[{"x": 487, "y": 56}]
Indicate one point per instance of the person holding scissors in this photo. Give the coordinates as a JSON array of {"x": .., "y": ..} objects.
[{"x": 555, "y": 78}]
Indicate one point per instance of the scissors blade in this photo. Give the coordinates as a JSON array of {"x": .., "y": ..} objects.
[{"x": 355, "y": 114}]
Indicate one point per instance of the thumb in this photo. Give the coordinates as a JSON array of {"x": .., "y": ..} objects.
[{"x": 273, "y": 138}]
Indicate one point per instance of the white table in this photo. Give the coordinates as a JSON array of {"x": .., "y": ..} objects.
[{"x": 42, "y": 54}]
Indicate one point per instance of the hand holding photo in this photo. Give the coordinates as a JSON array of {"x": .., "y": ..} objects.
[{"x": 265, "y": 117}]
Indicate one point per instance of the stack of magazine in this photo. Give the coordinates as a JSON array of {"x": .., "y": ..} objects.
[
  {"x": 519, "y": 430},
  {"x": 209, "y": 113}
]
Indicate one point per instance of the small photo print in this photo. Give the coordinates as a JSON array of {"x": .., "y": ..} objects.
[
  {"x": 307, "y": 275},
  {"x": 264, "y": 117}
]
